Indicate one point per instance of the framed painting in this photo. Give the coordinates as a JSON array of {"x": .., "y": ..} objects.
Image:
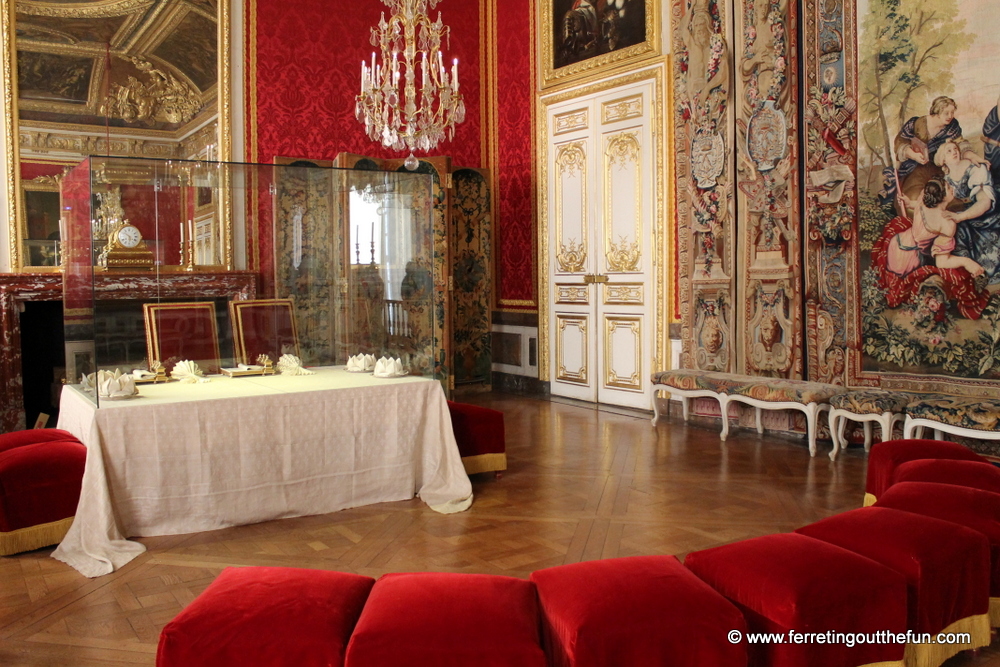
[
  {"x": 264, "y": 326},
  {"x": 903, "y": 159},
  {"x": 185, "y": 331},
  {"x": 588, "y": 37}
]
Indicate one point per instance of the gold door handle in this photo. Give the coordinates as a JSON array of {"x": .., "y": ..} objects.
[{"x": 594, "y": 278}]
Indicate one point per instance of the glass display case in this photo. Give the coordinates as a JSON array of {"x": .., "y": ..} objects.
[{"x": 234, "y": 266}]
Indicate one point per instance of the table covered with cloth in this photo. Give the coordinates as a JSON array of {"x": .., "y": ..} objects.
[{"x": 185, "y": 458}]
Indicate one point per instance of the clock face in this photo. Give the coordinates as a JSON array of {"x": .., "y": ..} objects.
[{"x": 129, "y": 236}]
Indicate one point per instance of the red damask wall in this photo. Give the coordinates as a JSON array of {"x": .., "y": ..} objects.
[
  {"x": 308, "y": 70},
  {"x": 305, "y": 71},
  {"x": 514, "y": 204}
]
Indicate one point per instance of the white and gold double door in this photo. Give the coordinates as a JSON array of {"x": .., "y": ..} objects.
[{"x": 600, "y": 230}]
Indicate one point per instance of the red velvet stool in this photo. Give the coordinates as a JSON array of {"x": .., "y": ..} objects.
[
  {"x": 274, "y": 616},
  {"x": 973, "y": 474},
  {"x": 947, "y": 570},
  {"x": 41, "y": 471},
  {"x": 790, "y": 582},
  {"x": 632, "y": 612},
  {"x": 480, "y": 436},
  {"x": 972, "y": 508},
  {"x": 886, "y": 456},
  {"x": 440, "y": 619}
]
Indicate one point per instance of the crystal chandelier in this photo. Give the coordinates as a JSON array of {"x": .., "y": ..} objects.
[{"x": 409, "y": 100}]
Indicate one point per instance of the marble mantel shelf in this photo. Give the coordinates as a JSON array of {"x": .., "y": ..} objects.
[{"x": 18, "y": 288}]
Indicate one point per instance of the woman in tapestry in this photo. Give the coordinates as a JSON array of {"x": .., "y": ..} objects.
[
  {"x": 978, "y": 234},
  {"x": 919, "y": 140},
  {"x": 911, "y": 252}
]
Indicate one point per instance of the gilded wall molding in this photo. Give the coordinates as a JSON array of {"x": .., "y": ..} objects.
[
  {"x": 92, "y": 10},
  {"x": 621, "y": 109},
  {"x": 622, "y": 150}
]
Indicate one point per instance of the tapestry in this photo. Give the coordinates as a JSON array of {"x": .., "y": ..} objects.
[
  {"x": 767, "y": 173},
  {"x": 704, "y": 140},
  {"x": 306, "y": 259},
  {"x": 902, "y": 160},
  {"x": 472, "y": 270}
]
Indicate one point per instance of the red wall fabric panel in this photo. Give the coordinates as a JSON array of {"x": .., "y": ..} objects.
[
  {"x": 308, "y": 71},
  {"x": 514, "y": 201}
]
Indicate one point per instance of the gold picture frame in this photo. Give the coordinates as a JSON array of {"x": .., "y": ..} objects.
[
  {"x": 182, "y": 331},
  {"x": 40, "y": 230},
  {"x": 263, "y": 326},
  {"x": 583, "y": 38}
]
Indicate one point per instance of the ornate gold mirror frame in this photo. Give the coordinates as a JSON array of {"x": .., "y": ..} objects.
[{"x": 146, "y": 88}]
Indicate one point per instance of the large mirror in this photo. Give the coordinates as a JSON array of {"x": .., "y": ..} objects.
[{"x": 135, "y": 78}]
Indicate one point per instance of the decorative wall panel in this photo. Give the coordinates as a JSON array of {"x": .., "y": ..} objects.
[
  {"x": 900, "y": 106},
  {"x": 572, "y": 348},
  {"x": 767, "y": 197},
  {"x": 572, "y": 221},
  {"x": 515, "y": 170},
  {"x": 623, "y": 201},
  {"x": 622, "y": 352},
  {"x": 704, "y": 175}
]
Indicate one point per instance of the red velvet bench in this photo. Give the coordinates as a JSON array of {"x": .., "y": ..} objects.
[
  {"x": 440, "y": 619},
  {"x": 947, "y": 570},
  {"x": 973, "y": 474},
  {"x": 479, "y": 432},
  {"x": 274, "y": 616},
  {"x": 633, "y": 612},
  {"x": 973, "y": 508},
  {"x": 791, "y": 582},
  {"x": 41, "y": 471},
  {"x": 886, "y": 456}
]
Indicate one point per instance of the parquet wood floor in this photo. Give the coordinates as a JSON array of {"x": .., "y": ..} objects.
[{"x": 583, "y": 483}]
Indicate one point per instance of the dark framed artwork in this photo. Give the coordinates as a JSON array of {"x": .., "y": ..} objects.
[{"x": 585, "y": 37}]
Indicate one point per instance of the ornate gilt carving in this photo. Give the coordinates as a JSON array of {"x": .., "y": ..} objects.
[
  {"x": 623, "y": 294},
  {"x": 566, "y": 294},
  {"x": 164, "y": 98},
  {"x": 570, "y": 121},
  {"x": 571, "y": 257},
  {"x": 105, "y": 9},
  {"x": 45, "y": 142},
  {"x": 571, "y": 158},
  {"x": 622, "y": 109},
  {"x": 624, "y": 256}
]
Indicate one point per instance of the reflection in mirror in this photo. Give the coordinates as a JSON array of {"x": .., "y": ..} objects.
[{"x": 137, "y": 79}]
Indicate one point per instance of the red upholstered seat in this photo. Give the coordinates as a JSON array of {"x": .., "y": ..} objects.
[
  {"x": 947, "y": 569},
  {"x": 274, "y": 616},
  {"x": 624, "y": 612},
  {"x": 41, "y": 472},
  {"x": 448, "y": 620},
  {"x": 886, "y": 456},
  {"x": 973, "y": 508},
  {"x": 791, "y": 582},
  {"x": 479, "y": 432},
  {"x": 973, "y": 474}
]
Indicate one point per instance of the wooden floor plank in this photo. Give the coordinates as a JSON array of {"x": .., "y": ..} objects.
[{"x": 582, "y": 483}]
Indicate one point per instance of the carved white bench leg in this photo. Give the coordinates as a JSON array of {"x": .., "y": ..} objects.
[
  {"x": 724, "y": 409},
  {"x": 838, "y": 422},
  {"x": 760, "y": 424},
  {"x": 685, "y": 395}
]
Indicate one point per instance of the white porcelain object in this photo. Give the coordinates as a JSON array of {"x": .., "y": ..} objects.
[
  {"x": 188, "y": 372},
  {"x": 289, "y": 364}
]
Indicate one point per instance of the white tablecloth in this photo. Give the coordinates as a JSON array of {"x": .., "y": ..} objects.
[{"x": 184, "y": 458}]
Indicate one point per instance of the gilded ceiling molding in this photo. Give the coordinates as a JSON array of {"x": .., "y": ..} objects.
[{"x": 90, "y": 10}]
